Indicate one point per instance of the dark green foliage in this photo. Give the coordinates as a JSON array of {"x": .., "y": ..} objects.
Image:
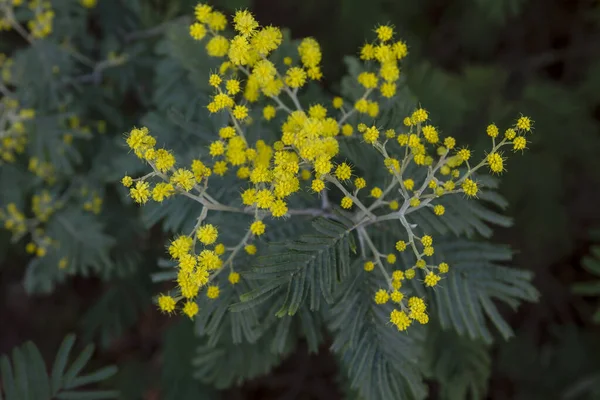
[
  {"x": 565, "y": 367},
  {"x": 471, "y": 62},
  {"x": 177, "y": 374},
  {"x": 303, "y": 270},
  {"x": 381, "y": 363},
  {"x": 27, "y": 377},
  {"x": 591, "y": 263},
  {"x": 117, "y": 310},
  {"x": 461, "y": 366},
  {"x": 466, "y": 297}
]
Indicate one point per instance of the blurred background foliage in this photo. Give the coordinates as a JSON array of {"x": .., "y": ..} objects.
[{"x": 471, "y": 62}]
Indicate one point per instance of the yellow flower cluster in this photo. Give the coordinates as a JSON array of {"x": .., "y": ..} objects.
[
  {"x": 89, "y": 3},
  {"x": 15, "y": 222},
  {"x": 197, "y": 269},
  {"x": 414, "y": 311},
  {"x": 13, "y": 132},
  {"x": 40, "y": 25},
  {"x": 44, "y": 170},
  {"x": 93, "y": 203},
  {"x": 306, "y": 156}
]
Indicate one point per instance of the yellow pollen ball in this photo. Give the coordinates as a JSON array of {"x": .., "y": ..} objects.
[
  {"x": 381, "y": 296},
  {"x": 257, "y": 228},
  {"x": 190, "y": 308},
  {"x": 234, "y": 278},
  {"x": 250, "y": 249},
  {"x": 212, "y": 292}
]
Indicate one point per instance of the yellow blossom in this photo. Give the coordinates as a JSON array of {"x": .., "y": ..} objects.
[
  {"x": 470, "y": 187},
  {"x": 166, "y": 303},
  {"x": 141, "y": 192},
  {"x": 207, "y": 234},
  {"x": 212, "y": 292},
  {"x": 233, "y": 278},
  {"x": 190, "y": 308},
  {"x": 257, "y": 228},
  {"x": 376, "y": 192},
  {"x": 381, "y": 296},
  {"x": 346, "y": 202},
  {"x": 431, "y": 279}
]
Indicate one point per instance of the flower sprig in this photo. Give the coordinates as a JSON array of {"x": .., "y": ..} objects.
[{"x": 423, "y": 166}]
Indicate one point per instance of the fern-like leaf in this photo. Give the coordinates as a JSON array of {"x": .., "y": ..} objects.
[
  {"x": 591, "y": 263},
  {"x": 27, "y": 377},
  {"x": 305, "y": 268},
  {"x": 381, "y": 363},
  {"x": 461, "y": 366},
  {"x": 466, "y": 296}
]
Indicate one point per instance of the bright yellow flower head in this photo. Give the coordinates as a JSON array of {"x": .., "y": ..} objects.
[
  {"x": 257, "y": 228},
  {"x": 166, "y": 303},
  {"x": 197, "y": 31},
  {"x": 384, "y": 32},
  {"x": 190, "y": 308},
  {"x": 207, "y": 234},
  {"x": 212, "y": 292},
  {"x": 233, "y": 278},
  {"x": 244, "y": 22},
  {"x": 346, "y": 202}
]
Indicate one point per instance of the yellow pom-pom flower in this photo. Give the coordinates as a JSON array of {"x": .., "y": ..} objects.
[
  {"x": 439, "y": 210},
  {"x": 381, "y": 296},
  {"x": 166, "y": 303},
  {"x": 376, "y": 192},
  {"x": 431, "y": 279},
  {"x": 190, "y": 308},
  {"x": 257, "y": 228},
  {"x": 250, "y": 249},
  {"x": 212, "y": 292},
  {"x": 233, "y": 278},
  {"x": 343, "y": 171},
  {"x": 346, "y": 202},
  {"x": 207, "y": 234},
  {"x": 470, "y": 187},
  {"x": 492, "y": 131}
]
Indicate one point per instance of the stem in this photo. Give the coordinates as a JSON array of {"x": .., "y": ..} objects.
[
  {"x": 353, "y": 110},
  {"x": 376, "y": 254},
  {"x": 281, "y": 105},
  {"x": 234, "y": 252},
  {"x": 348, "y": 194},
  {"x": 292, "y": 96},
  {"x": 237, "y": 126}
]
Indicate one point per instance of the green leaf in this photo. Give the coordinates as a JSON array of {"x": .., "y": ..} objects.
[
  {"x": 587, "y": 288},
  {"x": 39, "y": 380},
  {"x": 8, "y": 380},
  {"x": 82, "y": 240},
  {"x": 91, "y": 395},
  {"x": 460, "y": 365},
  {"x": 78, "y": 365},
  {"x": 30, "y": 379},
  {"x": 380, "y": 362},
  {"x": 308, "y": 267},
  {"x": 60, "y": 362},
  {"x": 465, "y": 296},
  {"x": 97, "y": 376},
  {"x": 20, "y": 368},
  {"x": 592, "y": 264}
]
